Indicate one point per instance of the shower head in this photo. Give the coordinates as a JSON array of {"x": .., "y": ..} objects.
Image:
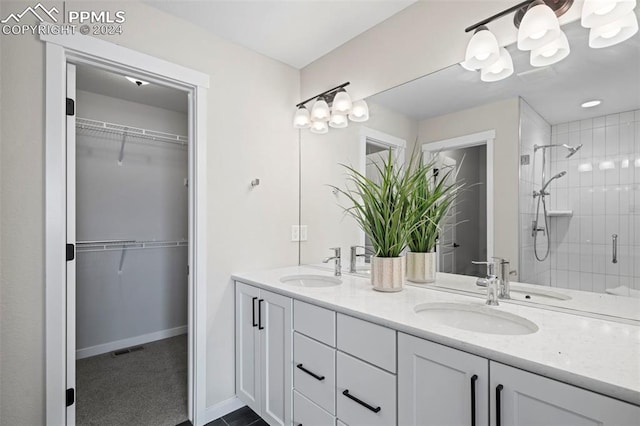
[
  {"x": 559, "y": 175},
  {"x": 572, "y": 149}
]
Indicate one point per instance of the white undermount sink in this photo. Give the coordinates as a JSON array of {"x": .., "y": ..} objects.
[
  {"x": 478, "y": 318},
  {"x": 311, "y": 280}
]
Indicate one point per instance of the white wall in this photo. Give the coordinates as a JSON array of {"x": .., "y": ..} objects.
[
  {"x": 321, "y": 156},
  {"x": 503, "y": 117},
  {"x": 534, "y": 130},
  {"x": 143, "y": 198},
  {"x": 250, "y": 103},
  {"x": 604, "y": 201}
]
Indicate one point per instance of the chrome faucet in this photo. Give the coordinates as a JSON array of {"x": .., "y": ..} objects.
[
  {"x": 337, "y": 258},
  {"x": 491, "y": 282},
  {"x": 354, "y": 256},
  {"x": 503, "y": 276}
]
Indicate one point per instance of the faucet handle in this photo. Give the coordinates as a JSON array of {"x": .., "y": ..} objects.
[{"x": 337, "y": 250}]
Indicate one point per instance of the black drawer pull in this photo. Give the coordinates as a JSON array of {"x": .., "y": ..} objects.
[
  {"x": 474, "y": 379},
  {"x": 253, "y": 312},
  {"x": 498, "y": 391},
  {"x": 312, "y": 374},
  {"x": 364, "y": 404},
  {"x": 260, "y": 327}
]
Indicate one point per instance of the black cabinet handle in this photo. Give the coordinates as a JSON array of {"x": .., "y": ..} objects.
[
  {"x": 364, "y": 404},
  {"x": 312, "y": 374},
  {"x": 474, "y": 379},
  {"x": 498, "y": 392},
  {"x": 253, "y": 312},
  {"x": 260, "y": 327}
]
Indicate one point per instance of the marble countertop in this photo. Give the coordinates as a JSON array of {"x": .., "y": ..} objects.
[{"x": 592, "y": 353}]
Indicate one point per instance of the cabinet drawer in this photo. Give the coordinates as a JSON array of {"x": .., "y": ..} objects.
[
  {"x": 370, "y": 342},
  {"x": 369, "y": 385},
  {"x": 313, "y": 358},
  {"x": 307, "y": 413},
  {"x": 315, "y": 322}
]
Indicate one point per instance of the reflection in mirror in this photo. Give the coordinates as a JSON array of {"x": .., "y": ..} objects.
[{"x": 589, "y": 216}]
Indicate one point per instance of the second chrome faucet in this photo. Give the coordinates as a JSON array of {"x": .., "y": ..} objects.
[{"x": 338, "y": 258}]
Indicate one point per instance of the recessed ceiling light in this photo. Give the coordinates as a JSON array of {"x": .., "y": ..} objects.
[
  {"x": 137, "y": 81},
  {"x": 591, "y": 104}
]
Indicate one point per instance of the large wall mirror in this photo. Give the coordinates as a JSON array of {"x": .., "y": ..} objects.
[{"x": 557, "y": 185}]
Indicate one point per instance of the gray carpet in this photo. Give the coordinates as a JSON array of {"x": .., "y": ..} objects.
[{"x": 147, "y": 387}]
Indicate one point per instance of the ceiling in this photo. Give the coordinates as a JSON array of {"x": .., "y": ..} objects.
[
  {"x": 296, "y": 32},
  {"x": 555, "y": 92},
  {"x": 96, "y": 80}
]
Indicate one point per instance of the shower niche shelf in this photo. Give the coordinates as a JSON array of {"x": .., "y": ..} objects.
[{"x": 560, "y": 213}]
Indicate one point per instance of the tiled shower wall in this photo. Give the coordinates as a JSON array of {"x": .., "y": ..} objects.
[
  {"x": 534, "y": 130},
  {"x": 601, "y": 189}
]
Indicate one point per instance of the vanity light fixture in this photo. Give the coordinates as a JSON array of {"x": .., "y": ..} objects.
[
  {"x": 332, "y": 108},
  {"x": 538, "y": 27},
  {"x": 596, "y": 13},
  {"x": 614, "y": 32},
  {"x": 501, "y": 69},
  {"x": 483, "y": 49},
  {"x": 591, "y": 104},
  {"x": 550, "y": 53}
]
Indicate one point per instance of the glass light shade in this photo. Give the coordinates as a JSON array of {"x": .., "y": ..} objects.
[
  {"x": 320, "y": 111},
  {"x": 338, "y": 121},
  {"x": 319, "y": 127},
  {"x": 359, "y": 111},
  {"x": 301, "y": 118},
  {"x": 551, "y": 53},
  {"x": 615, "y": 32},
  {"x": 483, "y": 50},
  {"x": 502, "y": 69},
  {"x": 539, "y": 27},
  {"x": 596, "y": 13},
  {"x": 342, "y": 103}
]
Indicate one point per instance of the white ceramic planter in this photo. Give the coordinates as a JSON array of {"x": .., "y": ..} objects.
[
  {"x": 387, "y": 273},
  {"x": 421, "y": 267}
]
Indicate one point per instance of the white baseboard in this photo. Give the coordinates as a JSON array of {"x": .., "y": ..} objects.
[
  {"x": 221, "y": 409},
  {"x": 131, "y": 341}
]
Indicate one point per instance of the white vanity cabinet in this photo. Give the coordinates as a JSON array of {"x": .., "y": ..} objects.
[
  {"x": 263, "y": 353},
  {"x": 438, "y": 385},
  {"x": 522, "y": 398}
]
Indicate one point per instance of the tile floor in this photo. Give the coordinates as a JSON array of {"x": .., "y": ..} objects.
[{"x": 241, "y": 417}]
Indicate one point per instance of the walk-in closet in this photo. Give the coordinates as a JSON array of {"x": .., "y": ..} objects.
[{"x": 132, "y": 250}]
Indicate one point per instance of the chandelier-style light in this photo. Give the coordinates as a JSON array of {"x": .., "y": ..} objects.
[
  {"x": 332, "y": 108},
  {"x": 610, "y": 22}
]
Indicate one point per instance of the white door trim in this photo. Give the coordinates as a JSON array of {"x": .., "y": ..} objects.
[
  {"x": 475, "y": 139},
  {"x": 83, "y": 49}
]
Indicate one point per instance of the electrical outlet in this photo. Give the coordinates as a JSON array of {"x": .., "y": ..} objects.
[
  {"x": 295, "y": 233},
  {"x": 303, "y": 232}
]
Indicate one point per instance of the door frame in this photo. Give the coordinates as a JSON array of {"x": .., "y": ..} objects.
[
  {"x": 467, "y": 141},
  {"x": 75, "y": 48}
]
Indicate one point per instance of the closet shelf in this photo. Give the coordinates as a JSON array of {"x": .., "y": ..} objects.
[
  {"x": 119, "y": 129},
  {"x": 117, "y": 245}
]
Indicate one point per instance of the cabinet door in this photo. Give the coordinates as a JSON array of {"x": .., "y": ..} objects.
[
  {"x": 275, "y": 312},
  {"x": 248, "y": 379},
  {"x": 440, "y": 386},
  {"x": 528, "y": 399}
]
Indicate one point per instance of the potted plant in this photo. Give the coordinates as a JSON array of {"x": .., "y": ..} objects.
[
  {"x": 380, "y": 207},
  {"x": 433, "y": 193}
]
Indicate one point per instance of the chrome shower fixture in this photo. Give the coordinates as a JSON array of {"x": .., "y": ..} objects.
[
  {"x": 544, "y": 187},
  {"x": 572, "y": 149}
]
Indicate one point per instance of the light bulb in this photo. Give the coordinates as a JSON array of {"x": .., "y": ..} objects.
[
  {"x": 549, "y": 54},
  {"x": 320, "y": 110},
  {"x": 502, "y": 69},
  {"x": 596, "y": 13},
  {"x": 301, "y": 118},
  {"x": 342, "y": 103},
  {"x": 319, "y": 127},
  {"x": 483, "y": 49},
  {"x": 539, "y": 27},
  {"x": 614, "y": 32},
  {"x": 338, "y": 121},
  {"x": 359, "y": 111}
]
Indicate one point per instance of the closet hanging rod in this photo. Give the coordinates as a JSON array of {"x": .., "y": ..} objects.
[
  {"x": 119, "y": 129},
  {"x": 117, "y": 245},
  {"x": 101, "y": 242}
]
